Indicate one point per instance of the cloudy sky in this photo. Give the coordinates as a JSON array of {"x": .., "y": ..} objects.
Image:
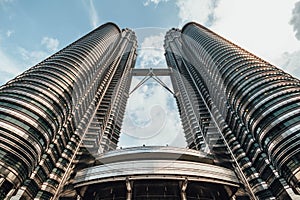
[{"x": 32, "y": 30}]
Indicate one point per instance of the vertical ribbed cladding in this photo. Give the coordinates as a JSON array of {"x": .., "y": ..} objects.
[
  {"x": 104, "y": 66},
  {"x": 101, "y": 123},
  {"x": 183, "y": 92},
  {"x": 36, "y": 105},
  {"x": 180, "y": 63},
  {"x": 117, "y": 98},
  {"x": 260, "y": 98},
  {"x": 200, "y": 130}
]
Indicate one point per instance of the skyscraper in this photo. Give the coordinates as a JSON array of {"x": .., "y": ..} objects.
[
  {"x": 60, "y": 123},
  {"x": 48, "y": 110},
  {"x": 251, "y": 103}
]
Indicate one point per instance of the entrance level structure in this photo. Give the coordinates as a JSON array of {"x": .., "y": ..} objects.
[{"x": 144, "y": 173}]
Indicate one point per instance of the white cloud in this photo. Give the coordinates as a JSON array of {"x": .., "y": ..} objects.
[
  {"x": 201, "y": 11},
  {"x": 261, "y": 27},
  {"x": 9, "y": 32},
  {"x": 155, "y": 2},
  {"x": 94, "y": 19},
  {"x": 295, "y": 21},
  {"x": 290, "y": 62},
  {"x": 32, "y": 57},
  {"x": 265, "y": 33},
  {"x": 9, "y": 68},
  {"x": 23, "y": 58},
  {"x": 151, "y": 53},
  {"x": 151, "y": 117},
  {"x": 50, "y": 43}
]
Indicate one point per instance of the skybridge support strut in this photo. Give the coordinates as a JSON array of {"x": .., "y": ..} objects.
[{"x": 151, "y": 73}]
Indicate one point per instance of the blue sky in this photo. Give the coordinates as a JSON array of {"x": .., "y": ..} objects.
[
  {"x": 28, "y": 22},
  {"x": 32, "y": 30}
]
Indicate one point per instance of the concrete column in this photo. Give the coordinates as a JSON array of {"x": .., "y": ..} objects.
[
  {"x": 183, "y": 186},
  {"x": 10, "y": 194},
  {"x": 2, "y": 181},
  {"x": 183, "y": 195},
  {"x": 129, "y": 190},
  {"x": 129, "y": 196}
]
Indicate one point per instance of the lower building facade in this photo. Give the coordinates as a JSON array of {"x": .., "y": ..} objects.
[{"x": 155, "y": 172}]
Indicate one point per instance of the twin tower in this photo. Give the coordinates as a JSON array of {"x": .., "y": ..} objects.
[{"x": 60, "y": 123}]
